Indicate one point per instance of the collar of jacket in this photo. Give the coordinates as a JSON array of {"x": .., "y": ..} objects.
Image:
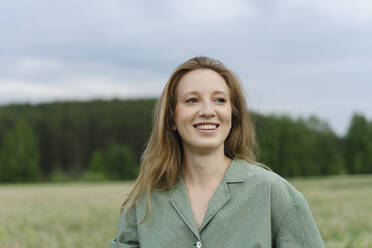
[{"x": 237, "y": 172}]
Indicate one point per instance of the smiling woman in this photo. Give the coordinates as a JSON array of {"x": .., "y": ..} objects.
[
  {"x": 199, "y": 184},
  {"x": 203, "y": 111}
]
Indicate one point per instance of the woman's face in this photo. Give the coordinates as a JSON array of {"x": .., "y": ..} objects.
[{"x": 203, "y": 110}]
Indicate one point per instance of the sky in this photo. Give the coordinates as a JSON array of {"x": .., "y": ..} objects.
[{"x": 293, "y": 57}]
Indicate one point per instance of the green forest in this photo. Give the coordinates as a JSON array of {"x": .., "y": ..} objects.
[{"x": 104, "y": 139}]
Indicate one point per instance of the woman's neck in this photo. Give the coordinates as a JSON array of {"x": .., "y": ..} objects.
[{"x": 204, "y": 170}]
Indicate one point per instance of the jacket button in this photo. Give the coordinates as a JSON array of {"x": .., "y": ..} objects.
[{"x": 198, "y": 244}]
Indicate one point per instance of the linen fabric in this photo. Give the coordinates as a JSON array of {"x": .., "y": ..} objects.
[{"x": 252, "y": 207}]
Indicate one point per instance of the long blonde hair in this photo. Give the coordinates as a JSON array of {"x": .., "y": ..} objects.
[{"x": 162, "y": 158}]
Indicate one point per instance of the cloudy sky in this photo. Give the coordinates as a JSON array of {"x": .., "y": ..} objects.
[{"x": 293, "y": 56}]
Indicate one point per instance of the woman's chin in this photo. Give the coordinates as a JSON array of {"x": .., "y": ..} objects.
[{"x": 205, "y": 147}]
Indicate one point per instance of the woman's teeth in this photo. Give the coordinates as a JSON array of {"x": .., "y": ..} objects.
[{"x": 206, "y": 127}]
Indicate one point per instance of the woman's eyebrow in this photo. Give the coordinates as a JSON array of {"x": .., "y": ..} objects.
[
  {"x": 190, "y": 93},
  {"x": 194, "y": 92},
  {"x": 220, "y": 92}
]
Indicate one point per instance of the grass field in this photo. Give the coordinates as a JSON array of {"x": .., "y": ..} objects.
[{"x": 86, "y": 214}]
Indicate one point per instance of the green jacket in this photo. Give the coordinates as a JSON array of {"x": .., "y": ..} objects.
[{"x": 252, "y": 207}]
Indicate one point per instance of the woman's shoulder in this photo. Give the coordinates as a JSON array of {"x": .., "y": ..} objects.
[
  {"x": 241, "y": 169},
  {"x": 283, "y": 197},
  {"x": 279, "y": 188}
]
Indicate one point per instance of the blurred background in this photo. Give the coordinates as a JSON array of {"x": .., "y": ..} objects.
[{"x": 79, "y": 79}]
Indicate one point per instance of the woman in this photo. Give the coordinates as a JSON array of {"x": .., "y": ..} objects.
[{"x": 199, "y": 184}]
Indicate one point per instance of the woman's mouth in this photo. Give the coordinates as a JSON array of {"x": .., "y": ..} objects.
[{"x": 206, "y": 128}]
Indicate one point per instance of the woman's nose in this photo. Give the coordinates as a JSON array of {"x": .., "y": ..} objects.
[{"x": 207, "y": 110}]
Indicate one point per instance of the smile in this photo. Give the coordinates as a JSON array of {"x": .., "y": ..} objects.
[{"x": 206, "y": 127}]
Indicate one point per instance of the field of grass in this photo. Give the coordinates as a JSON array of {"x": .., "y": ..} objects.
[
  {"x": 342, "y": 208},
  {"x": 86, "y": 214}
]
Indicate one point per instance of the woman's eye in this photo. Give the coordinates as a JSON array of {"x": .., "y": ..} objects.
[
  {"x": 220, "y": 100},
  {"x": 192, "y": 100}
]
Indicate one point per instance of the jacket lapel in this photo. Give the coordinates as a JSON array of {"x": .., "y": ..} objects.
[
  {"x": 180, "y": 201},
  {"x": 234, "y": 174},
  {"x": 218, "y": 200}
]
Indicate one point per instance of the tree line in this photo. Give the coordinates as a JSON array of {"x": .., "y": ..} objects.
[{"x": 104, "y": 139}]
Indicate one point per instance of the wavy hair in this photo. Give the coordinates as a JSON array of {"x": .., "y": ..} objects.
[{"x": 162, "y": 158}]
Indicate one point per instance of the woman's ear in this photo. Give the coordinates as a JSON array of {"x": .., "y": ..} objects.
[{"x": 174, "y": 127}]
